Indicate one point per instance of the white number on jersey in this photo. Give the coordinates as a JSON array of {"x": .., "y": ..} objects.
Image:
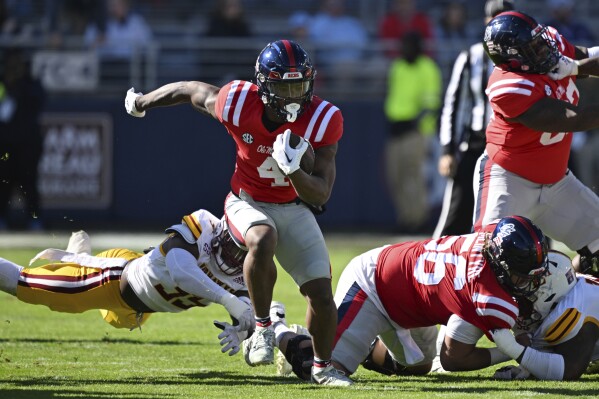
[
  {"x": 270, "y": 170},
  {"x": 548, "y": 138},
  {"x": 441, "y": 261}
]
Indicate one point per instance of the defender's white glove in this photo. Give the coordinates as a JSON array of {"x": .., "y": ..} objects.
[
  {"x": 130, "y": 103},
  {"x": 230, "y": 337},
  {"x": 511, "y": 373},
  {"x": 565, "y": 67},
  {"x": 241, "y": 310},
  {"x": 287, "y": 157},
  {"x": 506, "y": 343}
]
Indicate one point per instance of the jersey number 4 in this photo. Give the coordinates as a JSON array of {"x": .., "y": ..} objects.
[{"x": 270, "y": 170}]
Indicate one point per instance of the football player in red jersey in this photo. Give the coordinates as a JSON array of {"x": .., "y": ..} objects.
[
  {"x": 524, "y": 167},
  {"x": 269, "y": 207},
  {"x": 469, "y": 283}
]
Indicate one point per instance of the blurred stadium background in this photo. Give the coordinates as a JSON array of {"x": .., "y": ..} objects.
[{"x": 103, "y": 169}]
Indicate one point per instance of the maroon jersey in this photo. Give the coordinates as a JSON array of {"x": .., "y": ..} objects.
[
  {"x": 423, "y": 283},
  {"x": 240, "y": 109},
  {"x": 540, "y": 157}
]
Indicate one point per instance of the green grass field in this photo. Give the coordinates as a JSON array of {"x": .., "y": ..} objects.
[{"x": 46, "y": 355}]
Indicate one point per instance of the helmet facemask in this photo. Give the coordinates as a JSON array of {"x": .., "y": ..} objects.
[
  {"x": 540, "y": 55},
  {"x": 228, "y": 254}
]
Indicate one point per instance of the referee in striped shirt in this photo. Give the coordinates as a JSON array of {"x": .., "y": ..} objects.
[{"x": 464, "y": 118}]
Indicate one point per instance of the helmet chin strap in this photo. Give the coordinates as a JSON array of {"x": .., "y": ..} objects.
[{"x": 292, "y": 111}]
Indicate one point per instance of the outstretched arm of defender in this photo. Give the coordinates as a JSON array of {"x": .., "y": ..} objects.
[{"x": 202, "y": 97}]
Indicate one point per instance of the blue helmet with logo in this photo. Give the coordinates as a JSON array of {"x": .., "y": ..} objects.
[
  {"x": 285, "y": 78},
  {"x": 517, "y": 252},
  {"x": 516, "y": 42}
]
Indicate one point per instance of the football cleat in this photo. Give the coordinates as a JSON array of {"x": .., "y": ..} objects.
[
  {"x": 330, "y": 376},
  {"x": 258, "y": 349}
]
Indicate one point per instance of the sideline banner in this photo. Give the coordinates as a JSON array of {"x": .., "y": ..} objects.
[{"x": 75, "y": 170}]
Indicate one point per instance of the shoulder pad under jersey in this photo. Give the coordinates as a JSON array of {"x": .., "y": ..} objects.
[{"x": 184, "y": 231}]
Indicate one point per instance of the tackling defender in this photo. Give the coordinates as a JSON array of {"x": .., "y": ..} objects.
[
  {"x": 524, "y": 167},
  {"x": 563, "y": 325},
  {"x": 270, "y": 206},
  {"x": 199, "y": 263},
  {"x": 466, "y": 282}
]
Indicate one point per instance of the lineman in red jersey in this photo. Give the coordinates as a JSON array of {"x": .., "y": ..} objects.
[
  {"x": 466, "y": 282},
  {"x": 267, "y": 210},
  {"x": 524, "y": 167}
]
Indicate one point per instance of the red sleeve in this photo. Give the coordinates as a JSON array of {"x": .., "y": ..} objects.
[
  {"x": 333, "y": 132},
  {"x": 512, "y": 94},
  {"x": 221, "y": 101}
]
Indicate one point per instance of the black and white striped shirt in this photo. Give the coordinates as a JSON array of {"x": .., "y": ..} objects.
[{"x": 466, "y": 108}]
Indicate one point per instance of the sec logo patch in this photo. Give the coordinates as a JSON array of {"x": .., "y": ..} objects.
[{"x": 248, "y": 138}]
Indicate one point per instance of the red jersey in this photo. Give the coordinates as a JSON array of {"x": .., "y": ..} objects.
[
  {"x": 423, "y": 283},
  {"x": 240, "y": 109},
  {"x": 540, "y": 157}
]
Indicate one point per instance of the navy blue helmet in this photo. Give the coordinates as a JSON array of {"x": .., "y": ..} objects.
[
  {"x": 285, "y": 78},
  {"x": 517, "y": 252},
  {"x": 516, "y": 42}
]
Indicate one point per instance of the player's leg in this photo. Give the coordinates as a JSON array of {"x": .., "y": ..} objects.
[
  {"x": 302, "y": 252},
  {"x": 9, "y": 276},
  {"x": 500, "y": 193},
  {"x": 388, "y": 356},
  {"x": 571, "y": 218},
  {"x": 257, "y": 231}
]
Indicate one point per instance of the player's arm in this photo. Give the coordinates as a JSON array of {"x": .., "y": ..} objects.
[
  {"x": 553, "y": 115},
  {"x": 315, "y": 189},
  {"x": 202, "y": 97},
  {"x": 577, "y": 351},
  {"x": 459, "y": 351},
  {"x": 182, "y": 265}
]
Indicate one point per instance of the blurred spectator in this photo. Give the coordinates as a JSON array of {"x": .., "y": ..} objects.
[
  {"x": 228, "y": 20},
  {"x": 414, "y": 90},
  {"x": 69, "y": 19},
  {"x": 21, "y": 102},
  {"x": 13, "y": 20},
  {"x": 568, "y": 25},
  {"x": 403, "y": 17},
  {"x": 126, "y": 32},
  {"x": 299, "y": 24},
  {"x": 453, "y": 33},
  {"x": 338, "y": 37}
]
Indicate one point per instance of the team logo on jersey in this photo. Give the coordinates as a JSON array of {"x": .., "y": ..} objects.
[
  {"x": 248, "y": 138},
  {"x": 547, "y": 90}
]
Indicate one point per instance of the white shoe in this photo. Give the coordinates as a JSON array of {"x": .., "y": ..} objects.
[
  {"x": 283, "y": 366},
  {"x": 259, "y": 348},
  {"x": 437, "y": 368},
  {"x": 277, "y": 312},
  {"x": 330, "y": 376},
  {"x": 79, "y": 243}
]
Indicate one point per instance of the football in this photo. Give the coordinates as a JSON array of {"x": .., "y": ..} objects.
[{"x": 307, "y": 162}]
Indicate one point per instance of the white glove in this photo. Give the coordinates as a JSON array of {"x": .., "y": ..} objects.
[
  {"x": 506, "y": 343},
  {"x": 130, "y": 103},
  {"x": 230, "y": 337},
  {"x": 287, "y": 157},
  {"x": 511, "y": 373},
  {"x": 565, "y": 67},
  {"x": 240, "y": 310}
]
